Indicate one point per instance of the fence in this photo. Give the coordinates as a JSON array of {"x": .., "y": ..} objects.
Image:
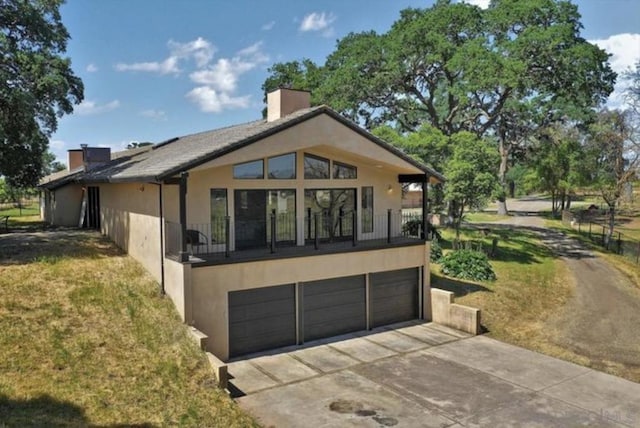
[
  {"x": 618, "y": 243},
  {"x": 281, "y": 230}
]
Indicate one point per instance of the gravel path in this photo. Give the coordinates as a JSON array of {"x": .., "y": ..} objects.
[{"x": 602, "y": 318}]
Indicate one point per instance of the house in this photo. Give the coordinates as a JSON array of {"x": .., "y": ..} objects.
[{"x": 265, "y": 234}]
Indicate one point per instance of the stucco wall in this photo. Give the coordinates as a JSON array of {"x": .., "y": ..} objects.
[
  {"x": 177, "y": 284},
  {"x": 65, "y": 203},
  {"x": 211, "y": 284},
  {"x": 130, "y": 217}
]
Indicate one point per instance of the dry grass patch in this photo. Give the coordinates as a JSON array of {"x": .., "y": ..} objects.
[
  {"x": 85, "y": 339},
  {"x": 531, "y": 286}
]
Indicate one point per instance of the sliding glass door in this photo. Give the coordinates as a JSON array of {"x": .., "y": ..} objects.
[{"x": 259, "y": 212}]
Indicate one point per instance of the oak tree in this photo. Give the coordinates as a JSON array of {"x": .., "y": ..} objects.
[{"x": 38, "y": 85}]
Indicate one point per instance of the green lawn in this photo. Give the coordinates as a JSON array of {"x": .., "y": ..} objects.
[
  {"x": 26, "y": 218},
  {"x": 86, "y": 339},
  {"x": 483, "y": 217},
  {"x": 27, "y": 210}
]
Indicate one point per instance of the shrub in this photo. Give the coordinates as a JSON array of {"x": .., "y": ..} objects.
[
  {"x": 412, "y": 227},
  {"x": 436, "y": 251},
  {"x": 468, "y": 264}
]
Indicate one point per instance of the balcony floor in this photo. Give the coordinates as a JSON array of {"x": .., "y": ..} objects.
[{"x": 209, "y": 259}]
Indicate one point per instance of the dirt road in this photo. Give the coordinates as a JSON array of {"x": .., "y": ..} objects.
[{"x": 602, "y": 319}]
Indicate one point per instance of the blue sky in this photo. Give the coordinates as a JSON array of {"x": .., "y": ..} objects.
[{"x": 157, "y": 69}]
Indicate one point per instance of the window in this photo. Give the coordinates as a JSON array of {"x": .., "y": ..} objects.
[
  {"x": 218, "y": 214},
  {"x": 367, "y": 209},
  {"x": 342, "y": 170},
  {"x": 282, "y": 167},
  {"x": 253, "y": 169},
  {"x": 282, "y": 204},
  {"x": 332, "y": 210},
  {"x": 315, "y": 167}
]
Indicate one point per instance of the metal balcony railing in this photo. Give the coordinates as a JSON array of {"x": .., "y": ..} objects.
[{"x": 226, "y": 235}]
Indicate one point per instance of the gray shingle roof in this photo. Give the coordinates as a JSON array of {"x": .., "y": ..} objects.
[{"x": 180, "y": 154}]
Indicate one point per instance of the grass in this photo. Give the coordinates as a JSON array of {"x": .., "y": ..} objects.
[
  {"x": 86, "y": 339},
  {"x": 531, "y": 286},
  {"x": 622, "y": 263},
  {"x": 483, "y": 217},
  {"x": 27, "y": 218}
]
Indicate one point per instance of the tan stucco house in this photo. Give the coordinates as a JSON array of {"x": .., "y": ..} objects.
[{"x": 269, "y": 233}]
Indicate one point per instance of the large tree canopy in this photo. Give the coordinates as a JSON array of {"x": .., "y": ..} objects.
[
  {"x": 503, "y": 71},
  {"x": 38, "y": 85},
  {"x": 460, "y": 68}
]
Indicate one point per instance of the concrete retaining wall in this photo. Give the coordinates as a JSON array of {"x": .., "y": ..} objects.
[{"x": 444, "y": 311}]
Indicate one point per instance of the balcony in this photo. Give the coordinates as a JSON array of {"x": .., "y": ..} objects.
[{"x": 280, "y": 236}]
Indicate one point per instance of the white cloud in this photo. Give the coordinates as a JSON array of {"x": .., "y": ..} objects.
[
  {"x": 268, "y": 26},
  {"x": 211, "y": 101},
  {"x": 482, "y": 4},
  {"x": 217, "y": 83},
  {"x": 624, "y": 48},
  {"x": 625, "y": 52},
  {"x": 159, "y": 115},
  {"x": 87, "y": 107},
  {"x": 224, "y": 74},
  {"x": 57, "y": 144},
  {"x": 200, "y": 50},
  {"x": 254, "y": 52},
  {"x": 168, "y": 66},
  {"x": 92, "y": 68},
  {"x": 318, "y": 21}
]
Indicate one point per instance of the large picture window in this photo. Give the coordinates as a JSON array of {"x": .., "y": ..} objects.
[
  {"x": 332, "y": 210},
  {"x": 248, "y": 170},
  {"x": 254, "y": 211},
  {"x": 282, "y": 205},
  {"x": 283, "y": 167},
  {"x": 367, "y": 209},
  {"x": 315, "y": 167},
  {"x": 218, "y": 214}
]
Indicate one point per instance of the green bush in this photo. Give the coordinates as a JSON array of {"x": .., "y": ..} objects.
[
  {"x": 468, "y": 264},
  {"x": 436, "y": 251}
]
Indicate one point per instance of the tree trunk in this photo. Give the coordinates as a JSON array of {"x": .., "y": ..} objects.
[
  {"x": 504, "y": 158},
  {"x": 568, "y": 201},
  {"x": 612, "y": 218}
]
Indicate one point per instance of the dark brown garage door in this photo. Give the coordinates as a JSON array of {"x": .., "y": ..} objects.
[
  {"x": 261, "y": 318},
  {"x": 394, "y": 296},
  {"x": 334, "y": 306}
]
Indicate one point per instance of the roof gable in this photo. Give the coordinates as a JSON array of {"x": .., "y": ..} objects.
[{"x": 184, "y": 153}]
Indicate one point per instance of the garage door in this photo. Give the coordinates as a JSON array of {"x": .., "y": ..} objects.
[
  {"x": 334, "y": 306},
  {"x": 261, "y": 318},
  {"x": 394, "y": 296}
]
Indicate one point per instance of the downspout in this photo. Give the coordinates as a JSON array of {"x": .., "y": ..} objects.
[
  {"x": 160, "y": 204},
  {"x": 161, "y": 213}
]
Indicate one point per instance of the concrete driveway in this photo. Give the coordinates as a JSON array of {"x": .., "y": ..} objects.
[{"x": 426, "y": 375}]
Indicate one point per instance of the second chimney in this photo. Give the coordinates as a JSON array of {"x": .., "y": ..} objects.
[{"x": 283, "y": 102}]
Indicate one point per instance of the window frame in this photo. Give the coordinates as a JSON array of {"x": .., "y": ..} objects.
[
  {"x": 338, "y": 164},
  {"x": 261, "y": 161},
  {"x": 317, "y": 158},
  {"x": 295, "y": 163}
]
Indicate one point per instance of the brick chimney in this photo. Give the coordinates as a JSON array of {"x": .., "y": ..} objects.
[
  {"x": 87, "y": 157},
  {"x": 74, "y": 159},
  {"x": 283, "y": 102}
]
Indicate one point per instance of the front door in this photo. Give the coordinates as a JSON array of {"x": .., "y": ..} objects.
[{"x": 250, "y": 218}]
